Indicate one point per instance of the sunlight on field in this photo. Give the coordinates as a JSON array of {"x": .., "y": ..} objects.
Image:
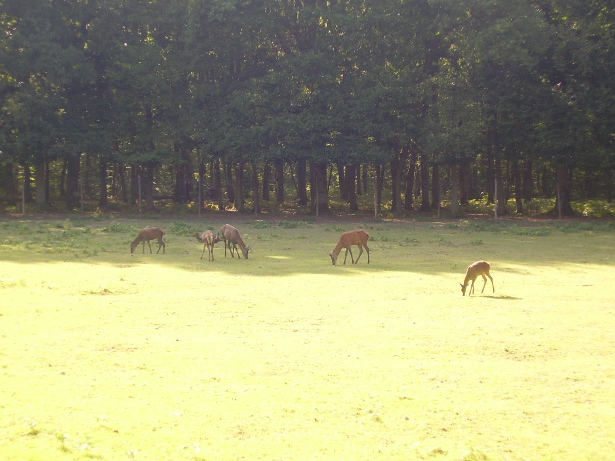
[{"x": 104, "y": 355}]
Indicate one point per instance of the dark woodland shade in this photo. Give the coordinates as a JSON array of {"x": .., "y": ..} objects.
[{"x": 413, "y": 103}]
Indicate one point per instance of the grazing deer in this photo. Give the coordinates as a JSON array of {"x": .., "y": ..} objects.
[
  {"x": 208, "y": 239},
  {"x": 355, "y": 237},
  {"x": 231, "y": 238},
  {"x": 147, "y": 234},
  {"x": 474, "y": 270}
]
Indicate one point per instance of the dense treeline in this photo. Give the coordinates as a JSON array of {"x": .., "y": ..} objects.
[{"x": 414, "y": 101}]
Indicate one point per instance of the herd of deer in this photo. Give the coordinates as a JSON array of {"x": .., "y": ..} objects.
[
  {"x": 229, "y": 234},
  {"x": 231, "y": 238}
]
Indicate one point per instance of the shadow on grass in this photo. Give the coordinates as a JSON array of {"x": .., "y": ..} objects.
[
  {"x": 286, "y": 250},
  {"x": 502, "y": 297}
]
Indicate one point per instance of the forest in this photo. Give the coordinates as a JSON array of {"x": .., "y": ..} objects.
[{"x": 408, "y": 105}]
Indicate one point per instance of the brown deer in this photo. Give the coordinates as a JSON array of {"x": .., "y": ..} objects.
[
  {"x": 231, "y": 238},
  {"x": 208, "y": 239},
  {"x": 147, "y": 234},
  {"x": 355, "y": 237},
  {"x": 474, "y": 270}
]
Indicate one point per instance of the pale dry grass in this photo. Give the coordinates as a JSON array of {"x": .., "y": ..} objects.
[{"x": 284, "y": 356}]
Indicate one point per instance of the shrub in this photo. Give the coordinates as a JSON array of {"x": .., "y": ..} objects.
[
  {"x": 182, "y": 228},
  {"x": 119, "y": 228}
]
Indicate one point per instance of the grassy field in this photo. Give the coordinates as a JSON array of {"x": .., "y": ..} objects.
[{"x": 106, "y": 355}]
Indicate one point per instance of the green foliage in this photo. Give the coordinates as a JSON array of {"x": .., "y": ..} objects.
[
  {"x": 118, "y": 227},
  {"x": 595, "y": 208},
  {"x": 170, "y": 84},
  {"x": 262, "y": 225},
  {"x": 184, "y": 228},
  {"x": 294, "y": 224}
]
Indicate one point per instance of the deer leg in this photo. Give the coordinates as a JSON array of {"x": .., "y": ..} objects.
[
  {"x": 485, "y": 283},
  {"x": 360, "y": 253},
  {"x": 492, "y": 285},
  {"x": 346, "y": 255},
  {"x": 204, "y": 246},
  {"x": 161, "y": 245},
  {"x": 150, "y": 247},
  {"x": 471, "y": 288},
  {"x": 367, "y": 249}
]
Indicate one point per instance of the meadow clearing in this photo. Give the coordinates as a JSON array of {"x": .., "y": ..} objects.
[{"x": 106, "y": 355}]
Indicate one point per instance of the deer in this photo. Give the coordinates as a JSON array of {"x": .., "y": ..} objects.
[
  {"x": 474, "y": 270},
  {"x": 231, "y": 238},
  {"x": 208, "y": 239},
  {"x": 356, "y": 237},
  {"x": 147, "y": 234}
]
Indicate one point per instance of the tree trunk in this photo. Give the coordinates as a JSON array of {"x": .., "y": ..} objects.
[
  {"x": 10, "y": 186},
  {"x": 380, "y": 170},
  {"x": 47, "y": 187},
  {"x": 135, "y": 172},
  {"x": 609, "y": 184},
  {"x": 341, "y": 176},
  {"x": 256, "y": 192},
  {"x": 320, "y": 196},
  {"x": 302, "y": 197},
  {"x": 518, "y": 187},
  {"x": 465, "y": 175},
  {"x": 27, "y": 184},
  {"x": 490, "y": 175},
  {"x": 217, "y": 182},
  {"x": 279, "y": 180},
  {"x": 86, "y": 182},
  {"x": 230, "y": 187},
  {"x": 239, "y": 200},
  {"x": 183, "y": 175},
  {"x": 121, "y": 170},
  {"x": 409, "y": 197},
  {"x": 455, "y": 209},
  {"x": 40, "y": 185},
  {"x": 63, "y": 178},
  {"x": 435, "y": 187},
  {"x": 563, "y": 202},
  {"x": 351, "y": 190},
  {"x": 497, "y": 174},
  {"x": 266, "y": 180},
  {"x": 396, "y": 205},
  {"x": 73, "y": 167},
  {"x": 147, "y": 185},
  {"x": 425, "y": 206},
  {"x": 202, "y": 191},
  {"x": 103, "y": 199},
  {"x": 528, "y": 182}
]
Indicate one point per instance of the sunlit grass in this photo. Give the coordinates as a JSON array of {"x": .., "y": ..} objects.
[{"x": 104, "y": 355}]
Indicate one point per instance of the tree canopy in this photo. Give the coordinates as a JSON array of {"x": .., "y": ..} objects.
[{"x": 416, "y": 97}]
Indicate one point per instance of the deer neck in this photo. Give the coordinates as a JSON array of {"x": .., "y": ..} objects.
[{"x": 338, "y": 248}]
